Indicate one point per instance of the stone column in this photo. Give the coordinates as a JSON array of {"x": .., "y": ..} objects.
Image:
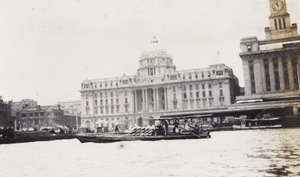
[
  {"x": 146, "y": 100},
  {"x": 157, "y": 100},
  {"x": 272, "y": 77},
  {"x": 281, "y": 75},
  {"x": 143, "y": 96},
  {"x": 166, "y": 103},
  {"x": 263, "y": 75},
  {"x": 298, "y": 70},
  {"x": 258, "y": 76},
  {"x": 135, "y": 101},
  {"x": 290, "y": 71},
  {"x": 246, "y": 77}
]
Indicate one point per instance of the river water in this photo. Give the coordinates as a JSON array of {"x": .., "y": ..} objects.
[{"x": 228, "y": 153}]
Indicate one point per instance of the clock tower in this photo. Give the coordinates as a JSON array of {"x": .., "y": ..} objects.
[{"x": 280, "y": 26}]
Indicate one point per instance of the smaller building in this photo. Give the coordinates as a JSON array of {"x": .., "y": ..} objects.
[
  {"x": 72, "y": 112},
  {"x": 39, "y": 117},
  {"x": 5, "y": 114}
]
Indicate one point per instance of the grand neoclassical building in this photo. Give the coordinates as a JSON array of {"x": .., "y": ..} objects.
[
  {"x": 271, "y": 66},
  {"x": 157, "y": 88}
]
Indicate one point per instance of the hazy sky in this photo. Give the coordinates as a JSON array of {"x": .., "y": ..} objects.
[{"x": 46, "y": 45}]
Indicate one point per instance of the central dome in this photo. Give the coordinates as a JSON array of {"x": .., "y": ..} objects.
[
  {"x": 154, "y": 49},
  {"x": 155, "y": 62}
]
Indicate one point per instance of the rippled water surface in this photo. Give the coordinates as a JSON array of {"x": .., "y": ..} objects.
[{"x": 232, "y": 153}]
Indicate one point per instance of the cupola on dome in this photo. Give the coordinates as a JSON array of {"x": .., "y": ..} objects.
[{"x": 155, "y": 49}]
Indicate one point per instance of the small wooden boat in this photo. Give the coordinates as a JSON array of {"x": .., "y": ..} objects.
[{"x": 159, "y": 132}]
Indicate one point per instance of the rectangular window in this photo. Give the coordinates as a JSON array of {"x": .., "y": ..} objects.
[
  {"x": 211, "y": 102},
  {"x": 126, "y": 100},
  {"x": 112, "y": 101},
  {"x": 174, "y": 89},
  {"x": 276, "y": 74},
  {"x": 221, "y": 93},
  {"x": 203, "y": 94},
  {"x": 210, "y": 93},
  {"x": 197, "y": 86},
  {"x": 191, "y": 87},
  {"x": 191, "y": 94},
  {"x": 184, "y": 88},
  {"x": 118, "y": 109},
  {"x": 198, "y": 103},
  {"x": 96, "y": 102},
  {"x": 184, "y": 95},
  {"x": 100, "y": 95},
  {"x": 285, "y": 73},
  {"x": 117, "y": 101},
  {"x": 96, "y": 95},
  {"x": 185, "y": 104},
  {"x": 203, "y": 86},
  {"x": 112, "y": 109},
  {"x": 197, "y": 95},
  {"x": 111, "y": 94},
  {"x": 209, "y": 86},
  {"x": 275, "y": 23},
  {"x": 283, "y": 21},
  {"x": 87, "y": 103},
  {"x": 192, "y": 103},
  {"x": 204, "y": 102},
  {"x": 106, "y": 110},
  {"x": 267, "y": 74},
  {"x": 220, "y": 85}
]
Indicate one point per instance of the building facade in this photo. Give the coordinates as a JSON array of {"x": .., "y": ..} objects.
[
  {"x": 39, "y": 117},
  {"x": 157, "y": 88},
  {"x": 271, "y": 66},
  {"x": 5, "y": 114}
]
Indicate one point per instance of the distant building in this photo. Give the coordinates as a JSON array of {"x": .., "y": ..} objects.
[
  {"x": 271, "y": 66},
  {"x": 39, "y": 117},
  {"x": 72, "y": 112},
  {"x": 157, "y": 88},
  {"x": 5, "y": 114}
]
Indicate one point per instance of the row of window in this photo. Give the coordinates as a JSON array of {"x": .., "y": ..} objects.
[
  {"x": 106, "y": 83},
  {"x": 107, "y": 109},
  {"x": 191, "y": 103},
  {"x": 41, "y": 114},
  {"x": 209, "y": 85},
  {"x": 198, "y": 94}
]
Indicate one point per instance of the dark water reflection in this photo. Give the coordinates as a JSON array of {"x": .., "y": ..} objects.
[{"x": 282, "y": 149}]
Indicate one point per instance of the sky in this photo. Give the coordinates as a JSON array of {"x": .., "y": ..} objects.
[{"x": 48, "y": 47}]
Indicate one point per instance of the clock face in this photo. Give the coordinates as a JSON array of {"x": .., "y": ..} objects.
[{"x": 277, "y": 5}]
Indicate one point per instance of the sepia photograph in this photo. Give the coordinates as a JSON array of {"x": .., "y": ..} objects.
[{"x": 149, "y": 88}]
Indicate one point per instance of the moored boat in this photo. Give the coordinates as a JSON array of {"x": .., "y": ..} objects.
[
  {"x": 164, "y": 129},
  {"x": 259, "y": 123}
]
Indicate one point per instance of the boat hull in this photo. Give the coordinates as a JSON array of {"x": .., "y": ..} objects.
[{"x": 117, "y": 138}]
